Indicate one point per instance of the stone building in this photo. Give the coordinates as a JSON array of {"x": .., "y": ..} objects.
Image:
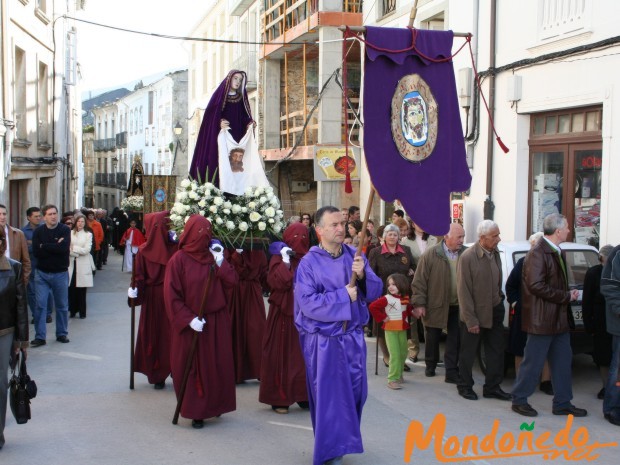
[{"x": 40, "y": 130}]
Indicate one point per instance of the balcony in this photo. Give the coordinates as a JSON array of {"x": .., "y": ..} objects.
[
  {"x": 114, "y": 180},
  {"x": 286, "y": 21},
  {"x": 247, "y": 62},
  {"x": 121, "y": 139},
  {"x": 104, "y": 145},
  {"x": 238, "y": 7}
]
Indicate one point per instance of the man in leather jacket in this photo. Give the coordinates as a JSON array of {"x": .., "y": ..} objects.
[
  {"x": 13, "y": 321},
  {"x": 547, "y": 320}
]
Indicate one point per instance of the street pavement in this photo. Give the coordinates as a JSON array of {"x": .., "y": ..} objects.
[{"x": 85, "y": 412}]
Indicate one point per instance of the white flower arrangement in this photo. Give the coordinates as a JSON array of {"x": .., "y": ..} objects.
[
  {"x": 234, "y": 220},
  {"x": 133, "y": 203}
]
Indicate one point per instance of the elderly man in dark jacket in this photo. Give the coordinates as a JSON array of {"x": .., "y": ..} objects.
[
  {"x": 481, "y": 303},
  {"x": 547, "y": 320},
  {"x": 610, "y": 288},
  {"x": 435, "y": 297}
]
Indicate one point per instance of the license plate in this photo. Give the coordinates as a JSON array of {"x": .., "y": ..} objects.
[{"x": 577, "y": 313}]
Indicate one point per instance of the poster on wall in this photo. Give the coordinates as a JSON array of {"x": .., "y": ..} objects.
[
  {"x": 457, "y": 212},
  {"x": 159, "y": 193},
  {"x": 330, "y": 163}
]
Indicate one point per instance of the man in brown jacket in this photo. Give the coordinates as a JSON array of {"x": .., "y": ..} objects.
[
  {"x": 17, "y": 247},
  {"x": 481, "y": 302},
  {"x": 435, "y": 297},
  {"x": 547, "y": 319}
]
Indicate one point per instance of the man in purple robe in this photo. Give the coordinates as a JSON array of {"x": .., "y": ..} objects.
[
  {"x": 229, "y": 107},
  {"x": 329, "y": 315}
]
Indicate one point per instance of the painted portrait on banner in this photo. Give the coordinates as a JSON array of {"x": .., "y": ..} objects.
[{"x": 414, "y": 118}]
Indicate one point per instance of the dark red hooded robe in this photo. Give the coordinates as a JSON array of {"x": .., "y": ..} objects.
[
  {"x": 283, "y": 371},
  {"x": 210, "y": 389}
]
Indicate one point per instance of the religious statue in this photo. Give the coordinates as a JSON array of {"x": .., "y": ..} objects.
[{"x": 226, "y": 152}]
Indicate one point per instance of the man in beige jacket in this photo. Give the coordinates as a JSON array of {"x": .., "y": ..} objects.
[
  {"x": 481, "y": 303},
  {"x": 435, "y": 297}
]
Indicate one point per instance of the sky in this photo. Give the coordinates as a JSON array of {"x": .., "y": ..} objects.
[{"x": 110, "y": 59}]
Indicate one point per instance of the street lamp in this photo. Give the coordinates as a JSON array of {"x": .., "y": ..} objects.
[{"x": 178, "y": 130}]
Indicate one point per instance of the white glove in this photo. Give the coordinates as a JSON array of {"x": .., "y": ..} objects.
[
  {"x": 132, "y": 292},
  {"x": 218, "y": 254},
  {"x": 197, "y": 324},
  {"x": 239, "y": 251},
  {"x": 286, "y": 258}
]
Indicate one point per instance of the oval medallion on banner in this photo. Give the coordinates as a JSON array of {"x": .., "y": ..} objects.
[{"x": 414, "y": 118}]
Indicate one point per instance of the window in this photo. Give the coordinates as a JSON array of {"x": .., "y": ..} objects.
[
  {"x": 151, "y": 99},
  {"x": 42, "y": 104},
  {"x": 141, "y": 122},
  {"x": 21, "y": 126},
  {"x": 389, "y": 6},
  {"x": 558, "y": 19},
  {"x": 566, "y": 160}
]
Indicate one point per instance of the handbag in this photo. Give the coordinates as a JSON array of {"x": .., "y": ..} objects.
[{"x": 21, "y": 390}]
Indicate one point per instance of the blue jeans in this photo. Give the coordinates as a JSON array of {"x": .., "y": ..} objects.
[
  {"x": 611, "y": 403},
  {"x": 58, "y": 285},
  {"x": 31, "y": 292},
  {"x": 539, "y": 348}
]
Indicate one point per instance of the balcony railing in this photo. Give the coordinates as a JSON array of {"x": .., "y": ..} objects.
[
  {"x": 282, "y": 15},
  {"x": 121, "y": 139},
  {"x": 104, "y": 145},
  {"x": 116, "y": 180}
]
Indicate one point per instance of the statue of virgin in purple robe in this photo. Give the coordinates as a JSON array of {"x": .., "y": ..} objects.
[{"x": 228, "y": 108}]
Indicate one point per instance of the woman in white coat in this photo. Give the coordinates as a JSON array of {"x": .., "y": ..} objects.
[{"x": 80, "y": 266}]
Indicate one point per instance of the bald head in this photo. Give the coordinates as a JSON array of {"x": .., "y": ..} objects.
[{"x": 455, "y": 237}]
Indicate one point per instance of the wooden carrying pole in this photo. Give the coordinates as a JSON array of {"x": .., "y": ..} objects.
[
  {"x": 192, "y": 350},
  {"x": 363, "y": 29},
  {"x": 358, "y": 252},
  {"x": 133, "y": 319}
]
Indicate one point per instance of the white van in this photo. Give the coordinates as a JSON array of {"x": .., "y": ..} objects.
[{"x": 579, "y": 257}]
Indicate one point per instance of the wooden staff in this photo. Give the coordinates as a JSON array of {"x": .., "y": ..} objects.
[
  {"x": 133, "y": 317},
  {"x": 192, "y": 351},
  {"x": 358, "y": 252}
]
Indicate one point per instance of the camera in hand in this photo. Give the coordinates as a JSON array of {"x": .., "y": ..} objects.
[{"x": 290, "y": 253}]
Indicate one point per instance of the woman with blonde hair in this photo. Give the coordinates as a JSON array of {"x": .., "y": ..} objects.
[{"x": 81, "y": 266}]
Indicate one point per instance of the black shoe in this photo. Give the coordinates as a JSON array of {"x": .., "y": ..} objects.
[
  {"x": 614, "y": 420},
  {"x": 37, "y": 343},
  {"x": 601, "y": 394},
  {"x": 304, "y": 404},
  {"x": 406, "y": 367},
  {"x": 524, "y": 409},
  {"x": 414, "y": 359},
  {"x": 468, "y": 394},
  {"x": 429, "y": 372},
  {"x": 159, "y": 386},
  {"x": 63, "y": 339},
  {"x": 49, "y": 319},
  {"x": 496, "y": 393},
  {"x": 198, "y": 424},
  {"x": 546, "y": 387},
  {"x": 572, "y": 410}
]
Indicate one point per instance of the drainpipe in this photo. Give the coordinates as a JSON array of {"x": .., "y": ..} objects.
[{"x": 489, "y": 206}]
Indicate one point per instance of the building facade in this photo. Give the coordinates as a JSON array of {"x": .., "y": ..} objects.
[
  {"x": 551, "y": 94},
  {"x": 40, "y": 120},
  {"x": 149, "y": 123}
]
